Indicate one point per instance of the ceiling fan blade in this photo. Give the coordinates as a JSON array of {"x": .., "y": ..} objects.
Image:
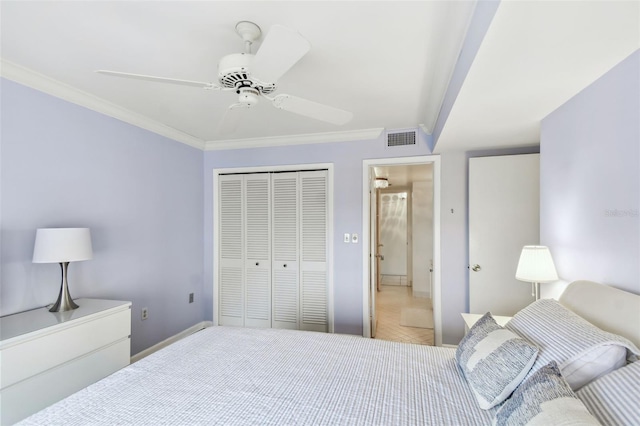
[
  {"x": 160, "y": 79},
  {"x": 280, "y": 50},
  {"x": 312, "y": 109},
  {"x": 232, "y": 117}
]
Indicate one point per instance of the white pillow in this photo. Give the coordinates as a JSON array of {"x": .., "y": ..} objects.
[
  {"x": 613, "y": 398},
  {"x": 593, "y": 364},
  {"x": 583, "y": 351}
]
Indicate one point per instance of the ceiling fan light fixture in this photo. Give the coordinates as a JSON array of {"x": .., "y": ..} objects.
[
  {"x": 248, "y": 95},
  {"x": 381, "y": 183}
]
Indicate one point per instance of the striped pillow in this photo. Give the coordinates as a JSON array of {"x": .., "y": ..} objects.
[
  {"x": 583, "y": 351},
  {"x": 545, "y": 398},
  {"x": 613, "y": 398},
  {"x": 494, "y": 361}
]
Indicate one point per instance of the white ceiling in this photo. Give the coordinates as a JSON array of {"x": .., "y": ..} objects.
[
  {"x": 535, "y": 56},
  {"x": 387, "y": 62}
]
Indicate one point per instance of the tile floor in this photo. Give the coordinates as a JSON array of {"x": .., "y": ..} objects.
[
  {"x": 389, "y": 302},
  {"x": 393, "y": 280}
]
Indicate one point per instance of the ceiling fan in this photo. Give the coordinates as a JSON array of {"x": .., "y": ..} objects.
[{"x": 253, "y": 76}]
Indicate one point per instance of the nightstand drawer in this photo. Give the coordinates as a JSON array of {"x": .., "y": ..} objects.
[{"x": 33, "y": 356}]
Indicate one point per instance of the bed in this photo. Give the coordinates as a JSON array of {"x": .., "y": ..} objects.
[{"x": 226, "y": 375}]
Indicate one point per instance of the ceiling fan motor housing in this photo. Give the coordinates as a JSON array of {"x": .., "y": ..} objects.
[{"x": 234, "y": 72}]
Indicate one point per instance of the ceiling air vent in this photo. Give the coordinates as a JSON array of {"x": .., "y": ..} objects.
[{"x": 401, "y": 138}]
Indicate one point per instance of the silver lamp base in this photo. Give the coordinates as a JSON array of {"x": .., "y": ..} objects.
[
  {"x": 535, "y": 290},
  {"x": 64, "y": 302}
]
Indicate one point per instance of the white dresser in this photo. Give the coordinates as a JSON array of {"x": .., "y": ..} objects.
[{"x": 46, "y": 356}]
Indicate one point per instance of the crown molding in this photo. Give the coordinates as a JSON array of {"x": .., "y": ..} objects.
[
  {"x": 35, "y": 80},
  {"x": 27, "y": 77},
  {"x": 310, "y": 138},
  {"x": 425, "y": 129}
]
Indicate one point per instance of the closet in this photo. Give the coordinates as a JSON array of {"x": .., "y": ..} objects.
[{"x": 272, "y": 237}]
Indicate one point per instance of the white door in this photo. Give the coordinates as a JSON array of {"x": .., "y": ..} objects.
[
  {"x": 231, "y": 240},
  {"x": 504, "y": 199},
  {"x": 257, "y": 231},
  {"x": 274, "y": 250},
  {"x": 285, "y": 284},
  {"x": 374, "y": 252},
  {"x": 313, "y": 251}
]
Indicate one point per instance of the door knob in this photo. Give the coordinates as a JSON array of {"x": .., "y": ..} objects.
[
  {"x": 476, "y": 268},
  {"x": 257, "y": 263}
]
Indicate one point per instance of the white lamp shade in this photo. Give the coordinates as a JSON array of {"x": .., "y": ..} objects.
[
  {"x": 536, "y": 265},
  {"x": 54, "y": 245}
]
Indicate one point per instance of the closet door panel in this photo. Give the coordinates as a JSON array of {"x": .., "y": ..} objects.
[
  {"x": 285, "y": 245},
  {"x": 313, "y": 251},
  {"x": 285, "y": 296},
  {"x": 257, "y": 219},
  {"x": 231, "y": 268}
]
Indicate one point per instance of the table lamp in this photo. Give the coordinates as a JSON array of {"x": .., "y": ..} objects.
[
  {"x": 62, "y": 245},
  {"x": 536, "y": 266}
]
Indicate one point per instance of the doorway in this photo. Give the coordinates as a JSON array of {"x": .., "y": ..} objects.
[{"x": 401, "y": 249}]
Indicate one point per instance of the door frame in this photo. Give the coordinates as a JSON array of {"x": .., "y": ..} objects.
[
  {"x": 265, "y": 169},
  {"x": 367, "y": 165}
]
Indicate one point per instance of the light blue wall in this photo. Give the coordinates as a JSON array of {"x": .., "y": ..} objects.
[
  {"x": 590, "y": 181},
  {"x": 141, "y": 194},
  {"x": 347, "y": 160}
]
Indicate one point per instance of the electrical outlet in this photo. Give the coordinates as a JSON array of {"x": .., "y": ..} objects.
[
  {"x": 190, "y": 297},
  {"x": 354, "y": 238},
  {"x": 347, "y": 238},
  {"x": 145, "y": 313}
]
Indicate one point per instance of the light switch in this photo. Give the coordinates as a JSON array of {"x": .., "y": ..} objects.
[
  {"x": 354, "y": 238},
  {"x": 347, "y": 238}
]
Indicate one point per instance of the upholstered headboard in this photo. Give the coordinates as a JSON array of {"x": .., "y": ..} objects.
[{"x": 606, "y": 307}]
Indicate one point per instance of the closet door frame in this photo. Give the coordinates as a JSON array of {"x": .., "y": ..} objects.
[{"x": 275, "y": 169}]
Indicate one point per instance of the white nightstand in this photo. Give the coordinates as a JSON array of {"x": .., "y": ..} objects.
[
  {"x": 470, "y": 319},
  {"x": 47, "y": 356}
]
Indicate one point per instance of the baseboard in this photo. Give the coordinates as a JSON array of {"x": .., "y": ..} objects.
[
  {"x": 422, "y": 294},
  {"x": 166, "y": 342}
]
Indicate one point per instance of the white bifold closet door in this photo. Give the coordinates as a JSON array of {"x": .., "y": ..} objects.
[
  {"x": 273, "y": 250},
  {"x": 313, "y": 251},
  {"x": 231, "y": 242},
  {"x": 257, "y": 218},
  {"x": 286, "y": 242}
]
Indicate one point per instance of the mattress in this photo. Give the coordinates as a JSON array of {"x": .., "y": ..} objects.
[{"x": 227, "y": 375}]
